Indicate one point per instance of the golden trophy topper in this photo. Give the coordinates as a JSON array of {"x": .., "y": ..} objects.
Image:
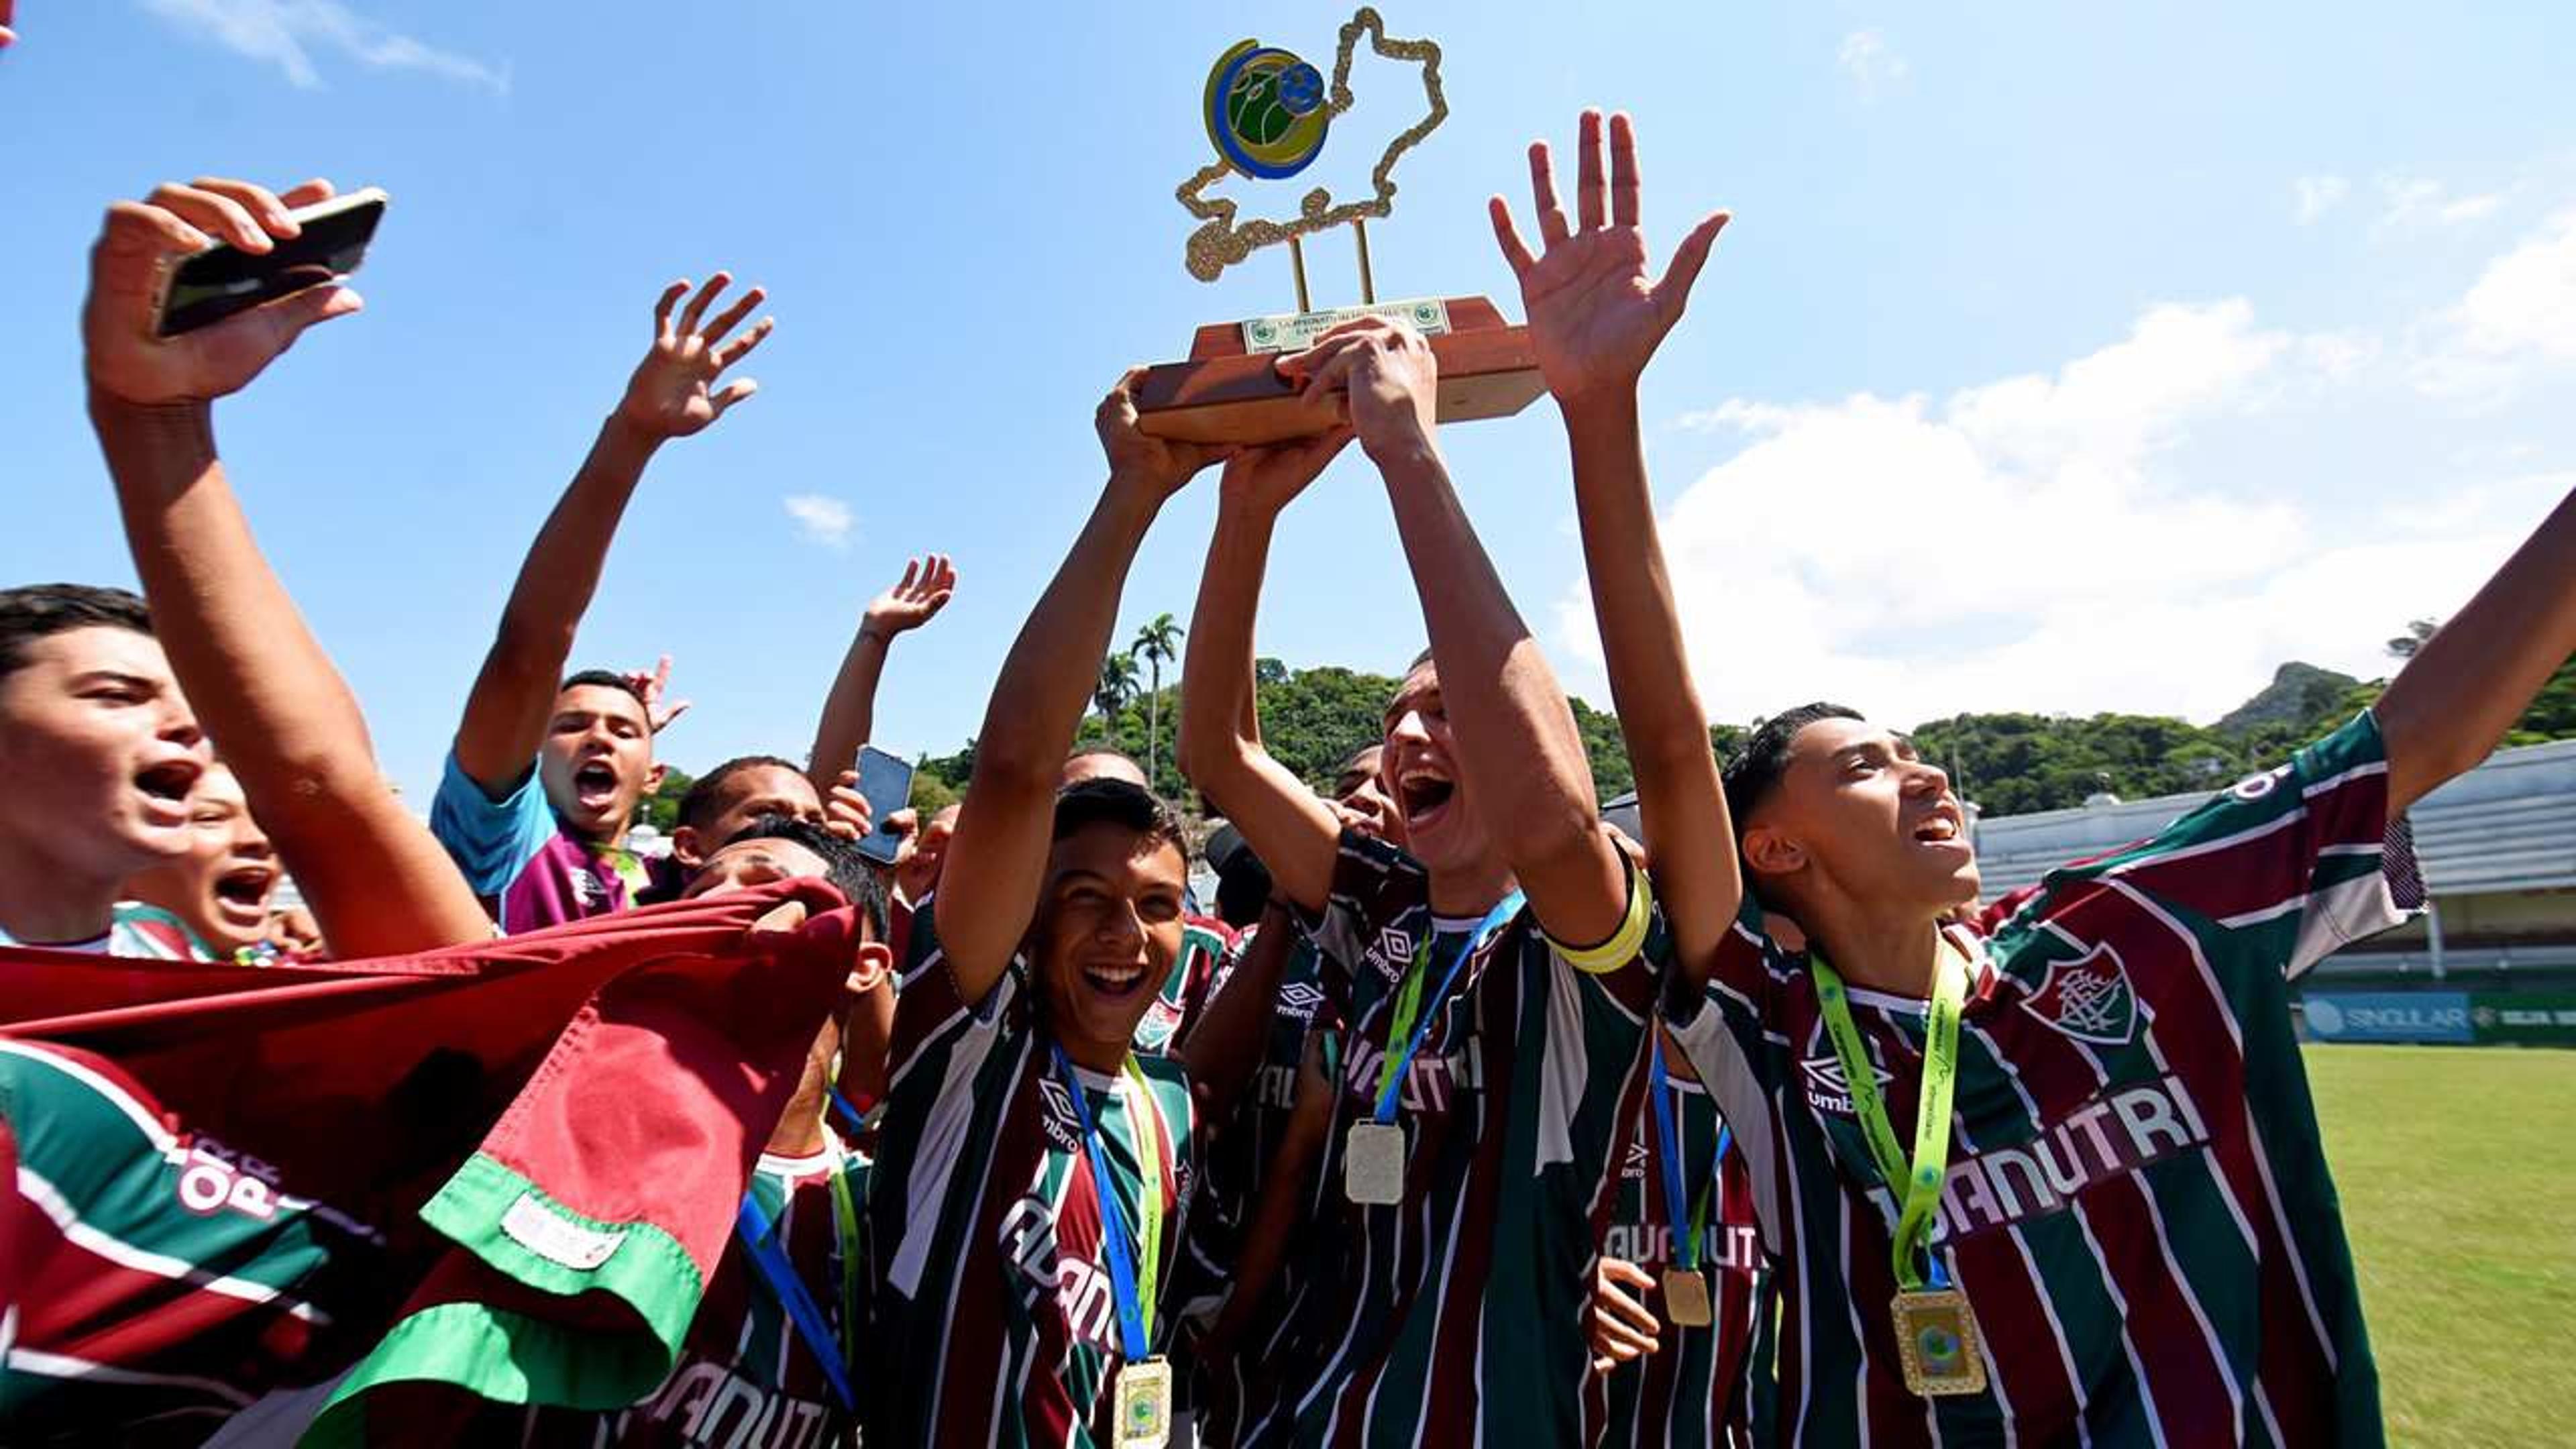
[{"x": 1267, "y": 114}]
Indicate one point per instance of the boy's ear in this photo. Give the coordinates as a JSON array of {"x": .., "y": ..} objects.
[
  {"x": 1771, "y": 852},
  {"x": 871, "y": 967},
  {"x": 684, "y": 847},
  {"x": 653, "y": 779}
]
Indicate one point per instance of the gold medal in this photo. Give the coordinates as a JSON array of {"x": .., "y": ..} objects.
[
  {"x": 1373, "y": 1163},
  {"x": 1144, "y": 1405},
  {"x": 1936, "y": 1340},
  {"x": 1686, "y": 1298}
]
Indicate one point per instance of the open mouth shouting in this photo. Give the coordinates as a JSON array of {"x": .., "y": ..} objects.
[
  {"x": 594, "y": 785},
  {"x": 164, "y": 788},
  {"x": 242, "y": 893},
  {"x": 1945, "y": 829},
  {"x": 1426, "y": 794}
]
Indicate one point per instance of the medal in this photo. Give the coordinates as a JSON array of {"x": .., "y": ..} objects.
[
  {"x": 1373, "y": 1150},
  {"x": 1686, "y": 1298},
  {"x": 1373, "y": 1163},
  {"x": 1144, "y": 1402},
  {"x": 1936, "y": 1340},
  {"x": 1141, "y": 1395},
  {"x": 1936, "y": 1331}
]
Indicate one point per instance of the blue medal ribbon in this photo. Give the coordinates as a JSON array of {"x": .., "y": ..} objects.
[
  {"x": 1686, "y": 1233},
  {"x": 753, "y": 1225},
  {"x": 1135, "y": 1337},
  {"x": 1391, "y": 1078}
]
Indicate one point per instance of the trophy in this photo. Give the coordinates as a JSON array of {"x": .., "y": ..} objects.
[{"x": 1267, "y": 113}]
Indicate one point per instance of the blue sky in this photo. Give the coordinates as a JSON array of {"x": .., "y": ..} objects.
[{"x": 2057, "y": 359}]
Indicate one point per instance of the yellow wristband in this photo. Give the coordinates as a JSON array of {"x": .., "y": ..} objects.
[{"x": 1623, "y": 944}]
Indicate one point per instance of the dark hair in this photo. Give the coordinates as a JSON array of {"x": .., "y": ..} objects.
[
  {"x": 606, "y": 679},
  {"x": 849, "y": 872},
  {"x": 1758, "y": 766},
  {"x": 1243, "y": 883},
  {"x": 698, "y": 807},
  {"x": 32, "y": 611},
  {"x": 1118, "y": 802}
]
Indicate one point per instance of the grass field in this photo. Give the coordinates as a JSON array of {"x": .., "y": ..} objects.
[{"x": 2459, "y": 1191}]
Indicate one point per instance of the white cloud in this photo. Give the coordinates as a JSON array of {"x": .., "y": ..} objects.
[
  {"x": 2414, "y": 201},
  {"x": 2314, "y": 196},
  {"x": 286, "y": 33},
  {"x": 1873, "y": 67},
  {"x": 2072, "y": 541},
  {"x": 821, "y": 518},
  {"x": 2521, "y": 312}
]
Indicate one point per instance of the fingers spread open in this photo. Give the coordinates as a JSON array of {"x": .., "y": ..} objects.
[
  {"x": 697, "y": 308},
  {"x": 1508, "y": 236},
  {"x": 740, "y": 347},
  {"x": 733, "y": 392},
  {"x": 662, "y": 309},
  {"x": 1623, "y": 170},
  {"x": 1551, "y": 216},
  {"x": 1673, "y": 292},
  {"x": 1590, "y": 191},
  {"x": 732, "y": 316}
]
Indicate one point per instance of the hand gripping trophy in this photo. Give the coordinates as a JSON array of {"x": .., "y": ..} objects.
[{"x": 1268, "y": 113}]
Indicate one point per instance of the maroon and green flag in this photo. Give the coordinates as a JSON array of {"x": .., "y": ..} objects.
[{"x": 406, "y": 1186}]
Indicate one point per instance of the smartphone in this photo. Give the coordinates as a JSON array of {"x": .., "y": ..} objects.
[
  {"x": 223, "y": 279},
  {"x": 886, "y": 783}
]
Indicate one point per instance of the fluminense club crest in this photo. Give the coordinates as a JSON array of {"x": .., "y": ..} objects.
[{"x": 2088, "y": 998}]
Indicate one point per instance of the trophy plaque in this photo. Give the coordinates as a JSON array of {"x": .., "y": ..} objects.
[{"x": 1267, "y": 114}]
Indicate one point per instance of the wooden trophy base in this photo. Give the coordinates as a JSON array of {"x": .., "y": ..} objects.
[{"x": 1228, "y": 392}]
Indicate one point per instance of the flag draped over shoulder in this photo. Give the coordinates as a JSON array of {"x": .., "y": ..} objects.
[{"x": 542, "y": 1141}]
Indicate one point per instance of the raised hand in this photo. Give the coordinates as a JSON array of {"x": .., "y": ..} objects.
[
  {"x": 916, "y": 598},
  {"x": 655, "y": 688},
  {"x": 1159, "y": 465},
  {"x": 1268, "y": 478},
  {"x": 845, "y": 810},
  {"x": 141, "y": 240},
  {"x": 1391, "y": 379},
  {"x": 1594, "y": 316},
  {"x": 673, "y": 392}
]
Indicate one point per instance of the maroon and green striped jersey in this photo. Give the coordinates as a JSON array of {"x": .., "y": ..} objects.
[
  {"x": 160, "y": 1281},
  {"x": 1699, "y": 1387},
  {"x": 744, "y": 1374},
  {"x": 2138, "y": 1206},
  {"x": 992, "y": 1320},
  {"x": 1457, "y": 1316},
  {"x": 1239, "y": 1157},
  {"x": 137, "y": 931},
  {"x": 1187, "y": 986}
]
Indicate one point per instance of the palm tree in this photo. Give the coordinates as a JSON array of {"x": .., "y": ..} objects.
[
  {"x": 1157, "y": 643},
  {"x": 1117, "y": 686}
]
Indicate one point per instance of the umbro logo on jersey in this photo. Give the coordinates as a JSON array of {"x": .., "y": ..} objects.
[
  {"x": 586, "y": 889},
  {"x": 1299, "y": 999},
  {"x": 1635, "y": 1166},
  {"x": 1394, "y": 949},
  {"x": 1828, "y": 1090},
  {"x": 1056, "y": 1115},
  {"x": 2088, "y": 998}
]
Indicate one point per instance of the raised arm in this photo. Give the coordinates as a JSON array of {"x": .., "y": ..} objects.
[
  {"x": 1595, "y": 319},
  {"x": 1515, "y": 734},
  {"x": 850, "y": 710},
  {"x": 259, "y": 682},
  {"x": 988, "y": 887},
  {"x": 672, "y": 394},
  {"x": 2452, "y": 703},
  {"x": 1219, "y": 748}
]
